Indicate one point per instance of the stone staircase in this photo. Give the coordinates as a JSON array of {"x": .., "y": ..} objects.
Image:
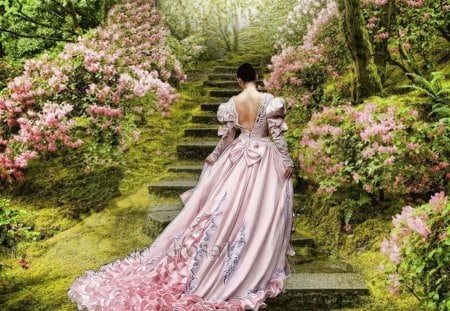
[{"x": 316, "y": 283}]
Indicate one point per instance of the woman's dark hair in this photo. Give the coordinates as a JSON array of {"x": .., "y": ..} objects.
[{"x": 246, "y": 72}]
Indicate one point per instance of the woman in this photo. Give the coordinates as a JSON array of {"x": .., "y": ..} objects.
[{"x": 227, "y": 248}]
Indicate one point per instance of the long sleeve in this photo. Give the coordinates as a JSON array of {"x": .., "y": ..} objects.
[
  {"x": 276, "y": 112},
  {"x": 227, "y": 130}
]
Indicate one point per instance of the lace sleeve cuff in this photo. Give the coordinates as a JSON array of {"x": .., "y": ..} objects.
[{"x": 227, "y": 130}]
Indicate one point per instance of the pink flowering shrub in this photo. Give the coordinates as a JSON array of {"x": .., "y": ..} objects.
[
  {"x": 302, "y": 67},
  {"x": 83, "y": 96},
  {"x": 414, "y": 28},
  {"x": 419, "y": 249},
  {"x": 375, "y": 148}
]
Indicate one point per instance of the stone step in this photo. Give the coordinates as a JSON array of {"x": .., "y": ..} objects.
[
  {"x": 301, "y": 241},
  {"x": 222, "y": 77},
  {"x": 201, "y": 131},
  {"x": 205, "y": 118},
  {"x": 164, "y": 214},
  {"x": 209, "y": 107},
  {"x": 320, "y": 291},
  {"x": 320, "y": 262},
  {"x": 171, "y": 187},
  {"x": 231, "y": 62},
  {"x": 231, "y": 69},
  {"x": 226, "y": 93},
  {"x": 223, "y": 92},
  {"x": 225, "y": 84},
  {"x": 195, "y": 150},
  {"x": 188, "y": 168},
  {"x": 325, "y": 281}
]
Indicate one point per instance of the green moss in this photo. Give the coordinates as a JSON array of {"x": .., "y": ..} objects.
[
  {"x": 380, "y": 298},
  {"x": 58, "y": 184},
  {"x": 366, "y": 236},
  {"x": 98, "y": 239},
  {"x": 319, "y": 218}
]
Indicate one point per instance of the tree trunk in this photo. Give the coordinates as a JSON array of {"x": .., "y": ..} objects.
[
  {"x": 367, "y": 80},
  {"x": 236, "y": 29},
  {"x": 2, "y": 51},
  {"x": 75, "y": 22},
  {"x": 381, "y": 48}
]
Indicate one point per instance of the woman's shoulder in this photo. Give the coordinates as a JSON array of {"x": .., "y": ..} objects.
[
  {"x": 276, "y": 105},
  {"x": 225, "y": 111}
]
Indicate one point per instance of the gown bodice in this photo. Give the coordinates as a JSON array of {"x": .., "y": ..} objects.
[
  {"x": 270, "y": 109},
  {"x": 269, "y": 120}
]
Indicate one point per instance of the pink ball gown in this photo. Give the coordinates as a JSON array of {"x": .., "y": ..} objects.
[{"x": 228, "y": 247}]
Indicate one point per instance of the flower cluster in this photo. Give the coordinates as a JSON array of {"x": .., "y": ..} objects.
[
  {"x": 373, "y": 147},
  {"x": 418, "y": 247}
]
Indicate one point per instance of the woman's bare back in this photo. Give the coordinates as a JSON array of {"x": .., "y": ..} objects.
[{"x": 247, "y": 107}]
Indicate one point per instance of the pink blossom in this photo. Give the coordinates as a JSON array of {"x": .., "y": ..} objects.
[
  {"x": 372, "y": 22},
  {"x": 105, "y": 111},
  {"x": 136, "y": 135},
  {"x": 426, "y": 16},
  {"x": 402, "y": 218},
  {"x": 394, "y": 284},
  {"x": 406, "y": 46},
  {"x": 382, "y": 35},
  {"x": 413, "y": 146},
  {"x": 389, "y": 161},
  {"x": 438, "y": 201},
  {"x": 394, "y": 254},
  {"x": 385, "y": 246},
  {"x": 415, "y": 3},
  {"x": 368, "y": 188},
  {"x": 418, "y": 225}
]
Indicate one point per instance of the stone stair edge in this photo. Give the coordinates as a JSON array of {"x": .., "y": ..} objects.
[{"x": 300, "y": 281}]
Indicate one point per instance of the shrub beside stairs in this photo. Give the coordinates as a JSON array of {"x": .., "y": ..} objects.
[{"x": 316, "y": 283}]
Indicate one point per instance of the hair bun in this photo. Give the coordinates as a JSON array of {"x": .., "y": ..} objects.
[{"x": 246, "y": 72}]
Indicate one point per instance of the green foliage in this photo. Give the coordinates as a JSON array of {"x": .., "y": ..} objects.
[
  {"x": 189, "y": 50},
  {"x": 215, "y": 25},
  {"x": 28, "y": 27},
  {"x": 8, "y": 70},
  {"x": 14, "y": 225},
  {"x": 414, "y": 29},
  {"x": 438, "y": 104},
  {"x": 63, "y": 183},
  {"x": 269, "y": 16}
]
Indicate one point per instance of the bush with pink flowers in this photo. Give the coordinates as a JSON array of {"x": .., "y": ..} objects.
[
  {"x": 419, "y": 249},
  {"x": 83, "y": 97},
  {"x": 379, "y": 149}
]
